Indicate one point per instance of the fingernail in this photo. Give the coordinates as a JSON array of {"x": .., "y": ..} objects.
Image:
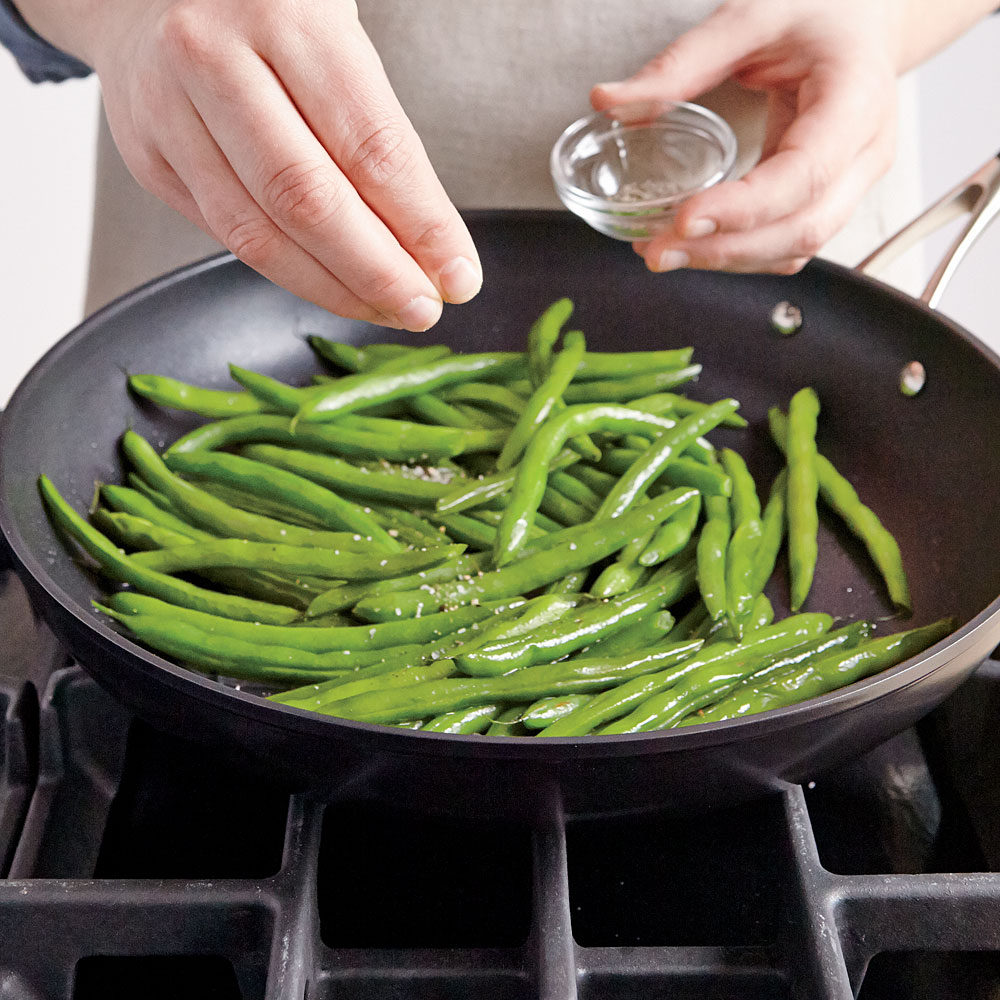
[
  {"x": 419, "y": 314},
  {"x": 460, "y": 280},
  {"x": 670, "y": 260},
  {"x": 700, "y": 227}
]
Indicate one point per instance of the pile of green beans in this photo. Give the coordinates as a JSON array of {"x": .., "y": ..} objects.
[{"x": 430, "y": 539}]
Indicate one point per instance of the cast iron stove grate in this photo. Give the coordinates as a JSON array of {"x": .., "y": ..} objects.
[{"x": 138, "y": 865}]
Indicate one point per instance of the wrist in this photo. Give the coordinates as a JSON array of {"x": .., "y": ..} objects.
[{"x": 68, "y": 25}]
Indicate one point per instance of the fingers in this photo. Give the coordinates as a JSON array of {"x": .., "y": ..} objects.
[
  {"x": 782, "y": 246},
  {"x": 226, "y": 211},
  {"x": 311, "y": 174},
  {"x": 697, "y": 61},
  {"x": 374, "y": 144}
]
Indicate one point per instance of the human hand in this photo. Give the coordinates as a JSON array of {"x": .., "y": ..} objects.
[
  {"x": 829, "y": 72},
  {"x": 272, "y": 126}
]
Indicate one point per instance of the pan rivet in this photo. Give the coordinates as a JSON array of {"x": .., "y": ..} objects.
[
  {"x": 912, "y": 378},
  {"x": 786, "y": 318}
]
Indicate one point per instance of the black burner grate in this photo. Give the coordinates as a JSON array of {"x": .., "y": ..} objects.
[{"x": 138, "y": 865}]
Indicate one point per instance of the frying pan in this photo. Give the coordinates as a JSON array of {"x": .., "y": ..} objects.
[{"x": 926, "y": 464}]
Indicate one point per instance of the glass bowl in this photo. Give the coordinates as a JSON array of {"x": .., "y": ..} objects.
[{"x": 626, "y": 170}]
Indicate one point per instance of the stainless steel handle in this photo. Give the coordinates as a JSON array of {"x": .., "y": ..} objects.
[{"x": 978, "y": 195}]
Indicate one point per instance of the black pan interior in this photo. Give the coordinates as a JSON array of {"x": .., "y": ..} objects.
[{"x": 927, "y": 464}]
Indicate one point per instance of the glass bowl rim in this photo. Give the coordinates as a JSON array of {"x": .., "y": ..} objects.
[{"x": 593, "y": 202}]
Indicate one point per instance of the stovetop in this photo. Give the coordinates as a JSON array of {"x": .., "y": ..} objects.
[{"x": 134, "y": 864}]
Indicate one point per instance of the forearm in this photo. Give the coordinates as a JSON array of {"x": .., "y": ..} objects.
[{"x": 928, "y": 26}]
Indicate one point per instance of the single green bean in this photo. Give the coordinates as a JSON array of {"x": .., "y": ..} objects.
[
  {"x": 802, "y": 490},
  {"x": 712, "y": 545},
  {"x": 672, "y": 536},
  {"x": 543, "y": 712},
  {"x": 467, "y": 720},
  {"x": 842, "y": 498},
  {"x": 558, "y": 375},
  {"x": 215, "y": 404},
  {"x": 365, "y": 437}
]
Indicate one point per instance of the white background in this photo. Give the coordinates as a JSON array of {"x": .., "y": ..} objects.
[{"x": 46, "y": 180}]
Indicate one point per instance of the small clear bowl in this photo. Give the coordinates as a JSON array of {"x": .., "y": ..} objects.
[{"x": 625, "y": 171}]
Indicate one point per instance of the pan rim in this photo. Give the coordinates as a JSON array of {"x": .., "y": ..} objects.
[{"x": 963, "y": 640}]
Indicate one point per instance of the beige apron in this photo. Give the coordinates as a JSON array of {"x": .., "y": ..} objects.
[{"x": 489, "y": 87}]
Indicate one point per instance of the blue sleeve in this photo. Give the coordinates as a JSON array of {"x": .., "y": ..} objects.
[{"x": 39, "y": 60}]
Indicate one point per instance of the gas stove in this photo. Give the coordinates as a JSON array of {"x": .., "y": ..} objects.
[{"x": 135, "y": 864}]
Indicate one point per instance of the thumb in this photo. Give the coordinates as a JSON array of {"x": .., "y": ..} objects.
[{"x": 695, "y": 62}]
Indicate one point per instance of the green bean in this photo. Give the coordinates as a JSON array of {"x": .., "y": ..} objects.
[
  {"x": 620, "y": 702},
  {"x": 467, "y": 720},
  {"x": 476, "y": 492},
  {"x": 672, "y": 536},
  {"x": 242, "y": 554},
  {"x": 739, "y": 700},
  {"x": 477, "y": 417},
  {"x": 364, "y": 667},
  {"x": 543, "y": 712},
  {"x": 336, "y": 474},
  {"x": 558, "y": 376},
  {"x": 508, "y": 723},
  {"x": 575, "y": 550},
  {"x": 344, "y": 688},
  {"x": 488, "y": 396},
  {"x": 346, "y": 596},
  {"x": 650, "y": 631},
  {"x": 353, "y": 436},
  {"x": 772, "y": 533},
  {"x": 566, "y": 635},
  {"x": 530, "y": 482},
  {"x": 215, "y": 404},
  {"x": 354, "y": 392},
  {"x": 131, "y": 501},
  {"x": 625, "y": 364},
  {"x": 254, "y": 503},
  {"x": 542, "y": 338},
  {"x": 741, "y": 553},
  {"x": 622, "y": 390},
  {"x": 351, "y": 638},
  {"x": 801, "y": 493},
  {"x": 682, "y": 406},
  {"x": 709, "y": 479},
  {"x": 838, "y": 669},
  {"x": 707, "y": 684},
  {"x": 296, "y": 491},
  {"x": 592, "y": 477},
  {"x": 121, "y": 568},
  {"x": 407, "y": 526},
  {"x": 230, "y": 657},
  {"x": 648, "y": 467},
  {"x": 688, "y": 626},
  {"x": 135, "y": 532},
  {"x": 842, "y": 498},
  {"x": 712, "y": 545},
  {"x": 454, "y": 693},
  {"x": 212, "y": 514}
]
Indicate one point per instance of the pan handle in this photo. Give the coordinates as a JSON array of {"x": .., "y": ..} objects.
[{"x": 978, "y": 195}]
